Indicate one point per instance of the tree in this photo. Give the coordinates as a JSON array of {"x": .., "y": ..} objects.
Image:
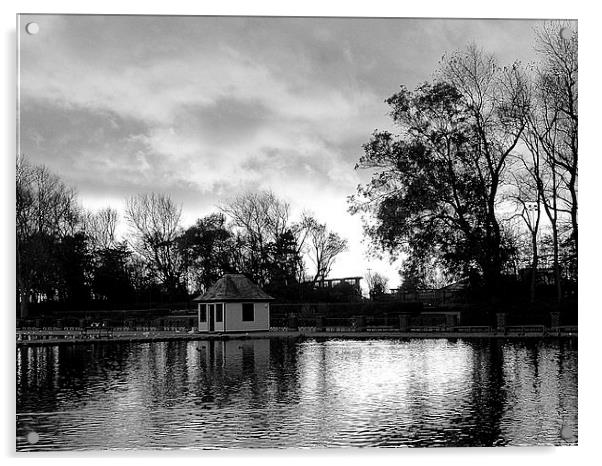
[
  {"x": 527, "y": 199},
  {"x": 100, "y": 227},
  {"x": 377, "y": 283},
  {"x": 551, "y": 137},
  {"x": 207, "y": 251},
  {"x": 435, "y": 191},
  {"x": 261, "y": 220},
  {"x": 496, "y": 103},
  {"x": 283, "y": 265},
  {"x": 323, "y": 248},
  {"x": 46, "y": 214},
  {"x": 154, "y": 220},
  {"x": 556, "y": 122},
  {"x": 113, "y": 274}
]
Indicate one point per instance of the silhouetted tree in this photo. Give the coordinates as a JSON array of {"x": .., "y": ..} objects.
[
  {"x": 100, "y": 227},
  {"x": 207, "y": 251},
  {"x": 323, "y": 248},
  {"x": 46, "y": 215},
  {"x": 154, "y": 220},
  {"x": 551, "y": 137},
  {"x": 435, "y": 192},
  {"x": 260, "y": 220},
  {"x": 526, "y": 197},
  {"x": 377, "y": 283},
  {"x": 113, "y": 279}
]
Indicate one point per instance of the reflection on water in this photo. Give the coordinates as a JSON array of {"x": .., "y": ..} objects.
[{"x": 286, "y": 393}]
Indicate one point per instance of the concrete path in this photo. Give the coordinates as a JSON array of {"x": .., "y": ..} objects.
[{"x": 56, "y": 337}]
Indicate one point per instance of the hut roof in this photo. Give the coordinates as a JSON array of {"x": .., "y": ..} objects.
[{"x": 234, "y": 287}]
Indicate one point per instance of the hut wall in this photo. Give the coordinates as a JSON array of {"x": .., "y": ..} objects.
[{"x": 234, "y": 322}]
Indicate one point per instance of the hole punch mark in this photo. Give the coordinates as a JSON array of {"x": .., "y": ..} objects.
[{"x": 32, "y": 28}]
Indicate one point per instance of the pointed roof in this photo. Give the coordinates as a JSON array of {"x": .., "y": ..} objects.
[{"x": 234, "y": 287}]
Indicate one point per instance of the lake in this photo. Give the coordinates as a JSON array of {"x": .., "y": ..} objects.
[{"x": 279, "y": 393}]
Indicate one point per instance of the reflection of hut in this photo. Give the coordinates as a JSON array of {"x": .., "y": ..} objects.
[
  {"x": 234, "y": 357},
  {"x": 234, "y": 304}
]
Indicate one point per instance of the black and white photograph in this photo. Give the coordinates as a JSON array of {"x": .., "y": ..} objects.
[{"x": 293, "y": 232}]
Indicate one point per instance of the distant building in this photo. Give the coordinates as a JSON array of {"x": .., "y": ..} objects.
[
  {"x": 234, "y": 304},
  {"x": 450, "y": 294},
  {"x": 332, "y": 282}
]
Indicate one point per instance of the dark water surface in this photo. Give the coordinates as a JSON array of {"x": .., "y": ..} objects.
[{"x": 293, "y": 393}]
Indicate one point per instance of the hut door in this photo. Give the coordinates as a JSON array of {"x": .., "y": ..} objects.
[{"x": 211, "y": 317}]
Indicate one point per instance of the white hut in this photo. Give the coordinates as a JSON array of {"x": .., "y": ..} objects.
[{"x": 234, "y": 304}]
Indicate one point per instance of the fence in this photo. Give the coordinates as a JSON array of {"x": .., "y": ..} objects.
[
  {"x": 169, "y": 323},
  {"x": 328, "y": 317},
  {"x": 433, "y": 297}
]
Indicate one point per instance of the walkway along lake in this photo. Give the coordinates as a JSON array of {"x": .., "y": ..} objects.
[{"x": 308, "y": 392}]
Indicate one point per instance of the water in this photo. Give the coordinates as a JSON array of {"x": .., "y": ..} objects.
[{"x": 292, "y": 393}]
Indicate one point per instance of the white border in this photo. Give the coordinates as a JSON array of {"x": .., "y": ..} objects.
[{"x": 590, "y": 308}]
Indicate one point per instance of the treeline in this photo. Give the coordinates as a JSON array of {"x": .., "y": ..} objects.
[
  {"x": 481, "y": 179},
  {"x": 75, "y": 258}
]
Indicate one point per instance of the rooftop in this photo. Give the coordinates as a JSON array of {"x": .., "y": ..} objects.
[{"x": 234, "y": 287}]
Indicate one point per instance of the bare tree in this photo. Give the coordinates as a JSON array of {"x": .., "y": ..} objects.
[
  {"x": 155, "y": 221},
  {"x": 46, "y": 211},
  {"x": 100, "y": 227},
  {"x": 497, "y": 103},
  {"x": 323, "y": 248},
  {"x": 261, "y": 219},
  {"x": 551, "y": 134},
  {"x": 260, "y": 215},
  {"x": 556, "y": 122},
  {"x": 544, "y": 172},
  {"x": 377, "y": 283},
  {"x": 527, "y": 200}
]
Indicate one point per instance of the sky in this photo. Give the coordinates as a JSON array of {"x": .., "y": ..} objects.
[{"x": 204, "y": 108}]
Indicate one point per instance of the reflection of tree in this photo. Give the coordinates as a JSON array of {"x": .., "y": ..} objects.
[
  {"x": 419, "y": 392},
  {"x": 486, "y": 403},
  {"x": 283, "y": 363},
  {"x": 533, "y": 382}
]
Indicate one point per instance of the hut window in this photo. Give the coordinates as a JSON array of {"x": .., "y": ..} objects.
[
  {"x": 203, "y": 313},
  {"x": 219, "y": 308},
  {"x": 248, "y": 312}
]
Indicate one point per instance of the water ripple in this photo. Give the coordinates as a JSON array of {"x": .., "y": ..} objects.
[{"x": 306, "y": 394}]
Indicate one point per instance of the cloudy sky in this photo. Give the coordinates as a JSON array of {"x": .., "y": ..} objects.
[{"x": 203, "y": 107}]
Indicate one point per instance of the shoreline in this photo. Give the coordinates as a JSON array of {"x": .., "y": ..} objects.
[{"x": 52, "y": 339}]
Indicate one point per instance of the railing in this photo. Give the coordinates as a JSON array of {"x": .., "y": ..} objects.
[
  {"x": 382, "y": 328},
  {"x": 427, "y": 329},
  {"x": 96, "y": 332},
  {"x": 525, "y": 329},
  {"x": 564, "y": 330},
  {"x": 432, "y": 297},
  {"x": 472, "y": 328}
]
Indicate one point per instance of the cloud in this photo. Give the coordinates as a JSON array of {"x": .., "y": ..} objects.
[{"x": 201, "y": 108}]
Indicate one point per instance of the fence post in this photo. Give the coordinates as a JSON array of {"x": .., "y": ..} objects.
[
  {"x": 451, "y": 320},
  {"x": 319, "y": 323},
  {"x": 501, "y": 318},
  {"x": 293, "y": 322},
  {"x": 554, "y": 319},
  {"x": 361, "y": 323},
  {"x": 404, "y": 322}
]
